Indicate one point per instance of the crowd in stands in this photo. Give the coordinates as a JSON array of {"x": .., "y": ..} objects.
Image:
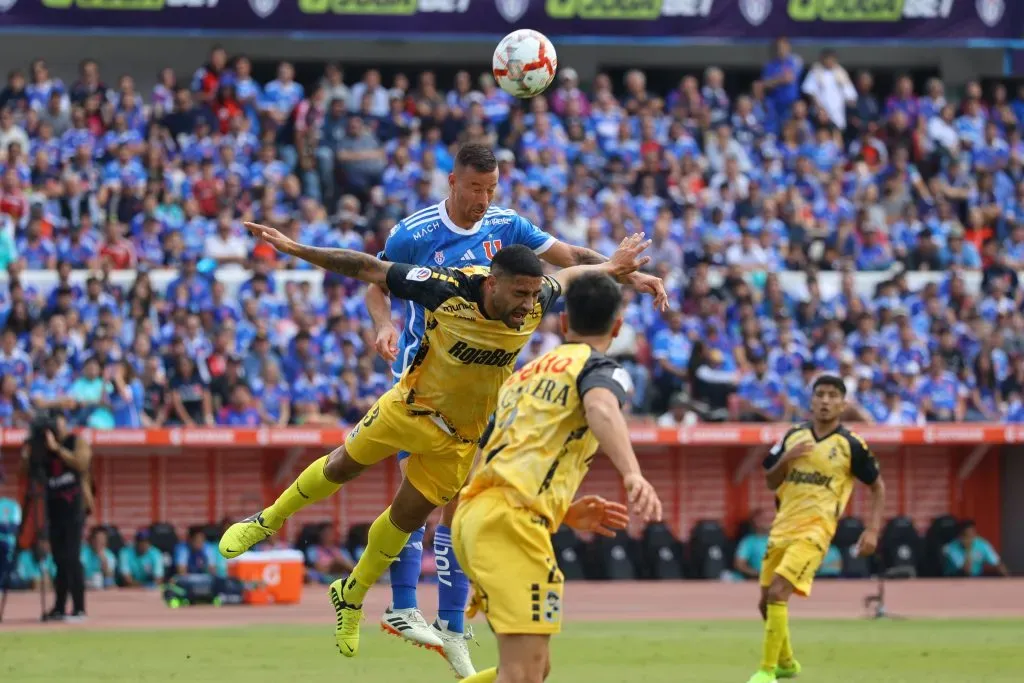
[{"x": 812, "y": 169}]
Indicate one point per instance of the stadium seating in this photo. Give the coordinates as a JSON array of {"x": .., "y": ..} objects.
[
  {"x": 710, "y": 550},
  {"x": 663, "y": 553},
  {"x": 848, "y": 533},
  {"x": 900, "y": 545},
  {"x": 570, "y": 551},
  {"x": 941, "y": 531}
]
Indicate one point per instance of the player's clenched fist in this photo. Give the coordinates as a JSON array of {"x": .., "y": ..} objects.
[
  {"x": 387, "y": 342},
  {"x": 643, "y": 499}
]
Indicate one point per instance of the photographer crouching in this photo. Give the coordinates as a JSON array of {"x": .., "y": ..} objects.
[{"x": 58, "y": 462}]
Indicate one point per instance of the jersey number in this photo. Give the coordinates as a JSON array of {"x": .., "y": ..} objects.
[{"x": 492, "y": 247}]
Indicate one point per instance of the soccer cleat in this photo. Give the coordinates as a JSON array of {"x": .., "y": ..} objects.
[
  {"x": 791, "y": 671},
  {"x": 410, "y": 625},
  {"x": 76, "y": 618},
  {"x": 243, "y": 535},
  {"x": 456, "y": 650},
  {"x": 763, "y": 676},
  {"x": 349, "y": 617}
]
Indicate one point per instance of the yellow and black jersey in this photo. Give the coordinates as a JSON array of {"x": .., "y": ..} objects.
[
  {"x": 539, "y": 447},
  {"x": 818, "y": 485},
  {"x": 464, "y": 356}
]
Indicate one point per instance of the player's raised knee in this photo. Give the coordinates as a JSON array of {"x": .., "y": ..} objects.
[{"x": 340, "y": 467}]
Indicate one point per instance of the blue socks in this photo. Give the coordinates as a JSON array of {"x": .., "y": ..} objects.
[
  {"x": 405, "y": 572},
  {"x": 452, "y": 584}
]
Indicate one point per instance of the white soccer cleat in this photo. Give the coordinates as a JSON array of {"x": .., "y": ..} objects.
[
  {"x": 410, "y": 625},
  {"x": 456, "y": 650}
]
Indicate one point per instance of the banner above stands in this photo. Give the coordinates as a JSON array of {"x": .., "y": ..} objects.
[
  {"x": 640, "y": 433},
  {"x": 565, "y": 20}
]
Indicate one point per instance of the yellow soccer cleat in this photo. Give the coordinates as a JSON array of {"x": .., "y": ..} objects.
[
  {"x": 763, "y": 676},
  {"x": 243, "y": 535},
  {"x": 349, "y": 618}
]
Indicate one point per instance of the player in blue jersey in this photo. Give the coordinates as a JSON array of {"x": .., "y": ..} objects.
[{"x": 462, "y": 230}]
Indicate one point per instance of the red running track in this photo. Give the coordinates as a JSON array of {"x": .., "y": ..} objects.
[{"x": 585, "y": 601}]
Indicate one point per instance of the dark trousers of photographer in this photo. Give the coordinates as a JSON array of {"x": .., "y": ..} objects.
[{"x": 67, "y": 522}]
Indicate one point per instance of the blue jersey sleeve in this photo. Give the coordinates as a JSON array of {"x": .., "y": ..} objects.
[
  {"x": 399, "y": 247},
  {"x": 525, "y": 232}
]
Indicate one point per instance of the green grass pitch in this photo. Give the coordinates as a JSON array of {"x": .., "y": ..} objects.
[{"x": 920, "y": 651}]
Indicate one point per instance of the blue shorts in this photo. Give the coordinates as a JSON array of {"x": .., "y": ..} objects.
[{"x": 402, "y": 455}]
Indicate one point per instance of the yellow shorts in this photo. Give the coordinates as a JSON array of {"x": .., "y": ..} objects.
[
  {"x": 507, "y": 554},
  {"x": 439, "y": 462},
  {"x": 795, "y": 561}
]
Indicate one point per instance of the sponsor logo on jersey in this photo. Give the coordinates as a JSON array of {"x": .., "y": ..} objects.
[
  {"x": 439, "y": 257},
  {"x": 468, "y": 256},
  {"x": 503, "y": 220},
  {"x": 455, "y": 308},
  {"x": 512, "y": 10},
  {"x": 812, "y": 478},
  {"x": 425, "y": 230},
  {"x": 470, "y": 355},
  {"x": 418, "y": 274}
]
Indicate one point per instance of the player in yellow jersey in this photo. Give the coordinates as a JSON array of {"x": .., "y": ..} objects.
[
  {"x": 478, "y": 319},
  {"x": 551, "y": 417},
  {"x": 812, "y": 471}
]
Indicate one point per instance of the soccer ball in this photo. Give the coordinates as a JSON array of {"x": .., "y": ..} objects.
[{"x": 524, "y": 63}]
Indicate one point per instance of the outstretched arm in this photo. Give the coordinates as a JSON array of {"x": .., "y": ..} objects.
[
  {"x": 604, "y": 416},
  {"x": 569, "y": 255},
  {"x": 624, "y": 262},
  {"x": 343, "y": 261}
]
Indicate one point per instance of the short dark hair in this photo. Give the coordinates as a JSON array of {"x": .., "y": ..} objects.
[
  {"x": 478, "y": 157},
  {"x": 592, "y": 301},
  {"x": 834, "y": 381},
  {"x": 517, "y": 259}
]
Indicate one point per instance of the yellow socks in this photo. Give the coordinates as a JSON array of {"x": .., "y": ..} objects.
[
  {"x": 382, "y": 548},
  {"x": 786, "y": 653},
  {"x": 488, "y": 676},
  {"x": 776, "y": 634},
  {"x": 311, "y": 486}
]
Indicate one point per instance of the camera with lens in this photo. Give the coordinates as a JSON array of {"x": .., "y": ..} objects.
[{"x": 38, "y": 450}]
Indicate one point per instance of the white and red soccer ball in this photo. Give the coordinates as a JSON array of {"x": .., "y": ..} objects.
[{"x": 524, "y": 63}]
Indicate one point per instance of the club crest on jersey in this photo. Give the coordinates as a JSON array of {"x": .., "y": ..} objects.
[
  {"x": 439, "y": 258},
  {"x": 492, "y": 247}
]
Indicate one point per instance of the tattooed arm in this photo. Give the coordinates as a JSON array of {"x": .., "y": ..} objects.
[
  {"x": 566, "y": 255},
  {"x": 569, "y": 255},
  {"x": 344, "y": 261}
]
